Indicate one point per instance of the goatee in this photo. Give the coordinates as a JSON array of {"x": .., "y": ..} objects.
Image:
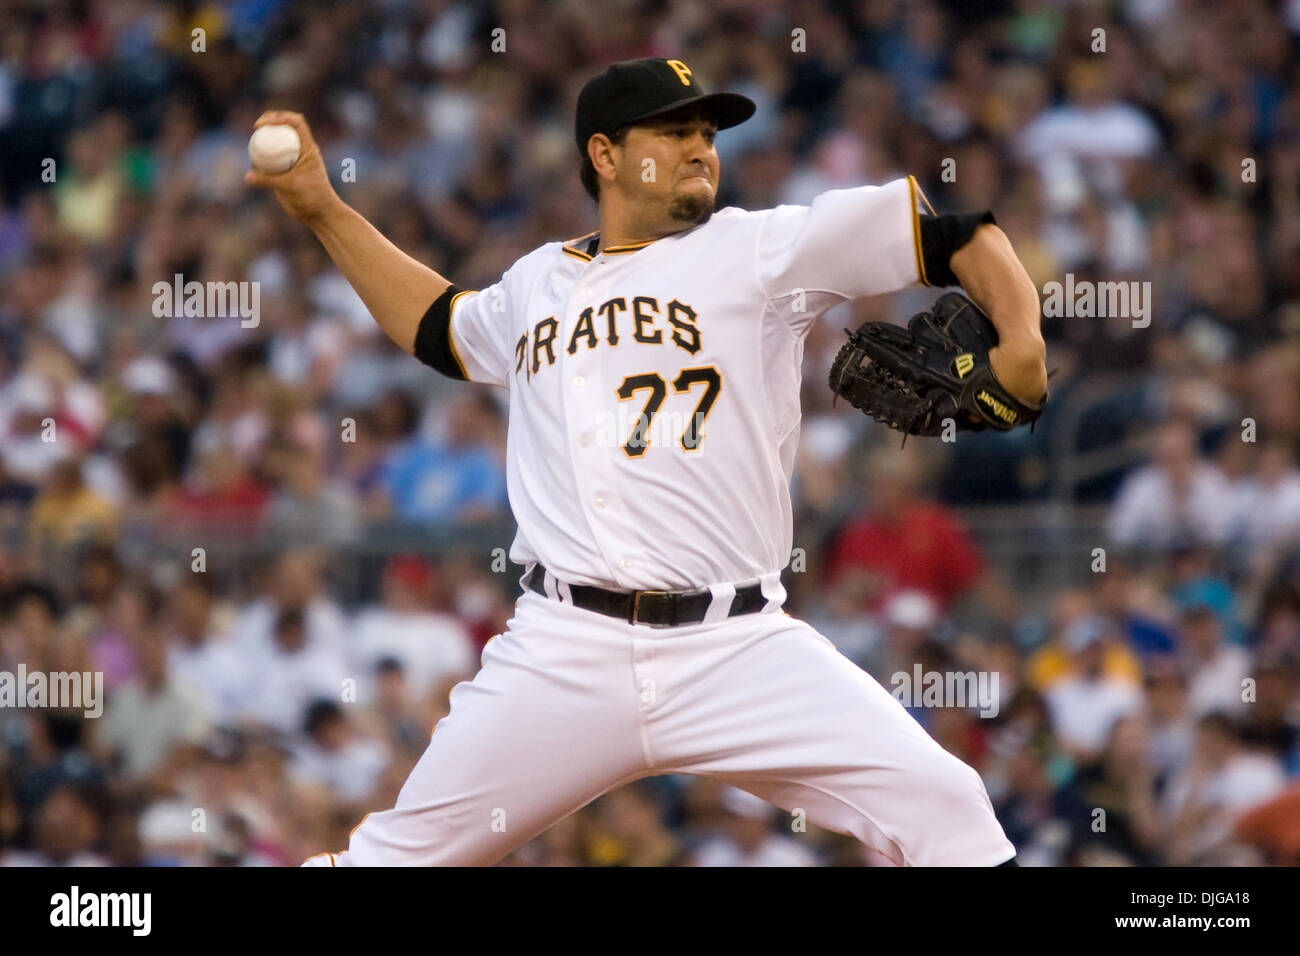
[{"x": 695, "y": 208}]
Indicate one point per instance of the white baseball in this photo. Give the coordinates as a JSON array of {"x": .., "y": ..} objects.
[{"x": 274, "y": 148}]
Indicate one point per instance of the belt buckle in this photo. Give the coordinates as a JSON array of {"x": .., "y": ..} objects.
[{"x": 634, "y": 618}]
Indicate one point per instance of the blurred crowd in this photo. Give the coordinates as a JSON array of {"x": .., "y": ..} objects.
[{"x": 257, "y": 708}]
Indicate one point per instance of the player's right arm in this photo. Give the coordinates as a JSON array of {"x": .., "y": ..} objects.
[{"x": 396, "y": 288}]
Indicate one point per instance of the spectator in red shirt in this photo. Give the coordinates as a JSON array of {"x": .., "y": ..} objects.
[
  {"x": 220, "y": 493},
  {"x": 904, "y": 542}
]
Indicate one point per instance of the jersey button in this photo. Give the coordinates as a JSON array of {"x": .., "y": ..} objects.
[
  {"x": 625, "y": 563},
  {"x": 586, "y": 291},
  {"x": 584, "y": 439},
  {"x": 579, "y": 381},
  {"x": 600, "y": 501}
]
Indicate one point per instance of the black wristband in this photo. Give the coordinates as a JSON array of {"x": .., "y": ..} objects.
[
  {"x": 941, "y": 236},
  {"x": 433, "y": 337}
]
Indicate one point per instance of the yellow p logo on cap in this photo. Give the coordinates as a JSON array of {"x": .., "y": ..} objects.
[{"x": 682, "y": 70}]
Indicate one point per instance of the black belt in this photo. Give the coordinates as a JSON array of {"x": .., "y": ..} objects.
[{"x": 655, "y": 608}]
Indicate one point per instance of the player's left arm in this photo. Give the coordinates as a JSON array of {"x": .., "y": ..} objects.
[{"x": 992, "y": 275}]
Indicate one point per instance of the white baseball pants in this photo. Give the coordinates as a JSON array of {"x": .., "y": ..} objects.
[{"x": 570, "y": 704}]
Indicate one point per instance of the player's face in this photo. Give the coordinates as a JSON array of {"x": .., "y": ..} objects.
[{"x": 670, "y": 168}]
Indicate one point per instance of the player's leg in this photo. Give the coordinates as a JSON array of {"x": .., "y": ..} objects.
[
  {"x": 778, "y": 711},
  {"x": 546, "y": 726}
]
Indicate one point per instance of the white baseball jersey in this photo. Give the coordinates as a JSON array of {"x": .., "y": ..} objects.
[
  {"x": 654, "y": 388},
  {"x": 654, "y": 412}
]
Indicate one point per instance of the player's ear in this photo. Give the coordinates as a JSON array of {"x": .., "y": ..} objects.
[{"x": 601, "y": 152}]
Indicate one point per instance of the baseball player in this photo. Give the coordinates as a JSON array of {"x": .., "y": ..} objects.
[{"x": 650, "y": 637}]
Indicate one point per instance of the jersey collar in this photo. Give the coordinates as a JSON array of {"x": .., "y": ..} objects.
[{"x": 584, "y": 247}]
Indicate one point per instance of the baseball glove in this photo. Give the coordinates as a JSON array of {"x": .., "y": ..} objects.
[{"x": 937, "y": 368}]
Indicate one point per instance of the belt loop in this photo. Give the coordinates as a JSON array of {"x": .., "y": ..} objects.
[
  {"x": 531, "y": 580},
  {"x": 720, "y": 602},
  {"x": 548, "y": 582},
  {"x": 773, "y": 590}
]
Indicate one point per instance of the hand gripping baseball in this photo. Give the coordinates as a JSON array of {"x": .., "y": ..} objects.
[{"x": 304, "y": 190}]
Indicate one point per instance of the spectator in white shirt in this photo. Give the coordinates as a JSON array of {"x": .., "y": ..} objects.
[
  {"x": 295, "y": 583},
  {"x": 1266, "y": 505},
  {"x": 1085, "y": 705},
  {"x": 1086, "y": 140},
  {"x": 199, "y": 657},
  {"x": 1216, "y": 668},
  {"x": 292, "y": 674},
  {"x": 335, "y": 756},
  {"x": 1179, "y": 496},
  {"x": 431, "y": 646}
]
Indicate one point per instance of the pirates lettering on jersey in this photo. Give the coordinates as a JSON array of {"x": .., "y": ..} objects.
[
  {"x": 536, "y": 348},
  {"x": 642, "y": 308},
  {"x": 608, "y": 310},
  {"x": 583, "y": 328},
  {"x": 544, "y": 338},
  {"x": 685, "y": 333}
]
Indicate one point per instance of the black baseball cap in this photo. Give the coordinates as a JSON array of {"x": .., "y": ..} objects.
[{"x": 636, "y": 90}]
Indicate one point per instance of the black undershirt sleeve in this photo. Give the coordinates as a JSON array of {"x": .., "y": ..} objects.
[
  {"x": 941, "y": 236},
  {"x": 433, "y": 338}
]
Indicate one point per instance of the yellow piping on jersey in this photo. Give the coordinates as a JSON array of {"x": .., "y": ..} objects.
[
  {"x": 630, "y": 247},
  {"x": 358, "y": 826},
  {"x": 451, "y": 339},
  {"x": 577, "y": 253},
  {"x": 568, "y": 249},
  {"x": 913, "y": 190}
]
